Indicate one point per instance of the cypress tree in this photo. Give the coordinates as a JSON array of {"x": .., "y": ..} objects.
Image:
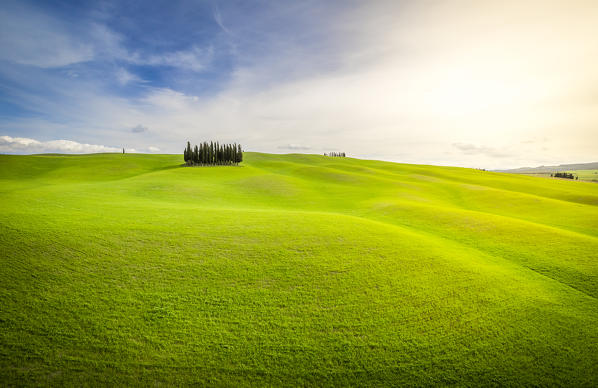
[{"x": 189, "y": 153}]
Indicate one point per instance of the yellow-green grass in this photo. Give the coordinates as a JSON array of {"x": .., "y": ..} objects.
[{"x": 293, "y": 270}]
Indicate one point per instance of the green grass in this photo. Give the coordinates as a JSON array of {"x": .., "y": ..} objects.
[{"x": 293, "y": 270}]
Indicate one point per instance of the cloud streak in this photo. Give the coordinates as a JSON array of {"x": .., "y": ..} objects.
[
  {"x": 23, "y": 145},
  {"x": 295, "y": 147},
  {"x": 472, "y": 149},
  {"x": 31, "y": 146}
]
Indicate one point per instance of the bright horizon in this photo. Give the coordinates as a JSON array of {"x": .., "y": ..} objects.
[{"x": 473, "y": 84}]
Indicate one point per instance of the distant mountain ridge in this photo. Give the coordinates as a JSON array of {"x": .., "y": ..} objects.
[{"x": 560, "y": 167}]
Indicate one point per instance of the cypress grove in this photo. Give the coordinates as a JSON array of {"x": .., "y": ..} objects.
[
  {"x": 567, "y": 175},
  {"x": 335, "y": 154},
  {"x": 213, "y": 154}
]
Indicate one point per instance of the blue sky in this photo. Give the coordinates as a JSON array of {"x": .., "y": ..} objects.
[{"x": 476, "y": 84}]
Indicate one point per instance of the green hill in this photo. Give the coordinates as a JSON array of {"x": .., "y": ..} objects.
[{"x": 293, "y": 270}]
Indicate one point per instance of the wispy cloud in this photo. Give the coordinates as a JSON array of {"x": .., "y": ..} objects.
[
  {"x": 194, "y": 58},
  {"x": 472, "y": 149},
  {"x": 124, "y": 77},
  {"x": 30, "y": 37},
  {"x": 219, "y": 21},
  {"x": 23, "y": 145},
  {"x": 294, "y": 147}
]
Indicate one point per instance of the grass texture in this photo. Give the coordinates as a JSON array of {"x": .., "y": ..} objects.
[{"x": 293, "y": 270}]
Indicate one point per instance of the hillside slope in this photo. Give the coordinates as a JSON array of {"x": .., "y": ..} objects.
[{"x": 293, "y": 270}]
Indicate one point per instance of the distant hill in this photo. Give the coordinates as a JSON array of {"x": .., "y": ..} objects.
[{"x": 560, "y": 167}]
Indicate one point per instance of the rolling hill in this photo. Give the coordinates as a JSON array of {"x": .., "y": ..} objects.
[
  {"x": 293, "y": 270},
  {"x": 560, "y": 167},
  {"x": 583, "y": 171}
]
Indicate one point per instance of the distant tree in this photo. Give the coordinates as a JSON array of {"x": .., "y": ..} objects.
[
  {"x": 566, "y": 175},
  {"x": 123, "y": 150}
]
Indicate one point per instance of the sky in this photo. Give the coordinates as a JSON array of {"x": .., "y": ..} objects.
[{"x": 483, "y": 84}]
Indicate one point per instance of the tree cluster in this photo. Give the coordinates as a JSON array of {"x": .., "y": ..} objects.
[
  {"x": 335, "y": 154},
  {"x": 566, "y": 175},
  {"x": 213, "y": 153}
]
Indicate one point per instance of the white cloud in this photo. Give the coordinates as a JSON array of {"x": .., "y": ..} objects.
[
  {"x": 24, "y": 145},
  {"x": 125, "y": 77},
  {"x": 195, "y": 59}
]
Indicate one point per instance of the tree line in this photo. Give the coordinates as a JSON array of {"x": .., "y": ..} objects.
[
  {"x": 213, "y": 153},
  {"x": 335, "y": 154},
  {"x": 566, "y": 175}
]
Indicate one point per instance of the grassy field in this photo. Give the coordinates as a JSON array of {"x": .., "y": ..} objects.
[
  {"x": 293, "y": 270},
  {"x": 584, "y": 175}
]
